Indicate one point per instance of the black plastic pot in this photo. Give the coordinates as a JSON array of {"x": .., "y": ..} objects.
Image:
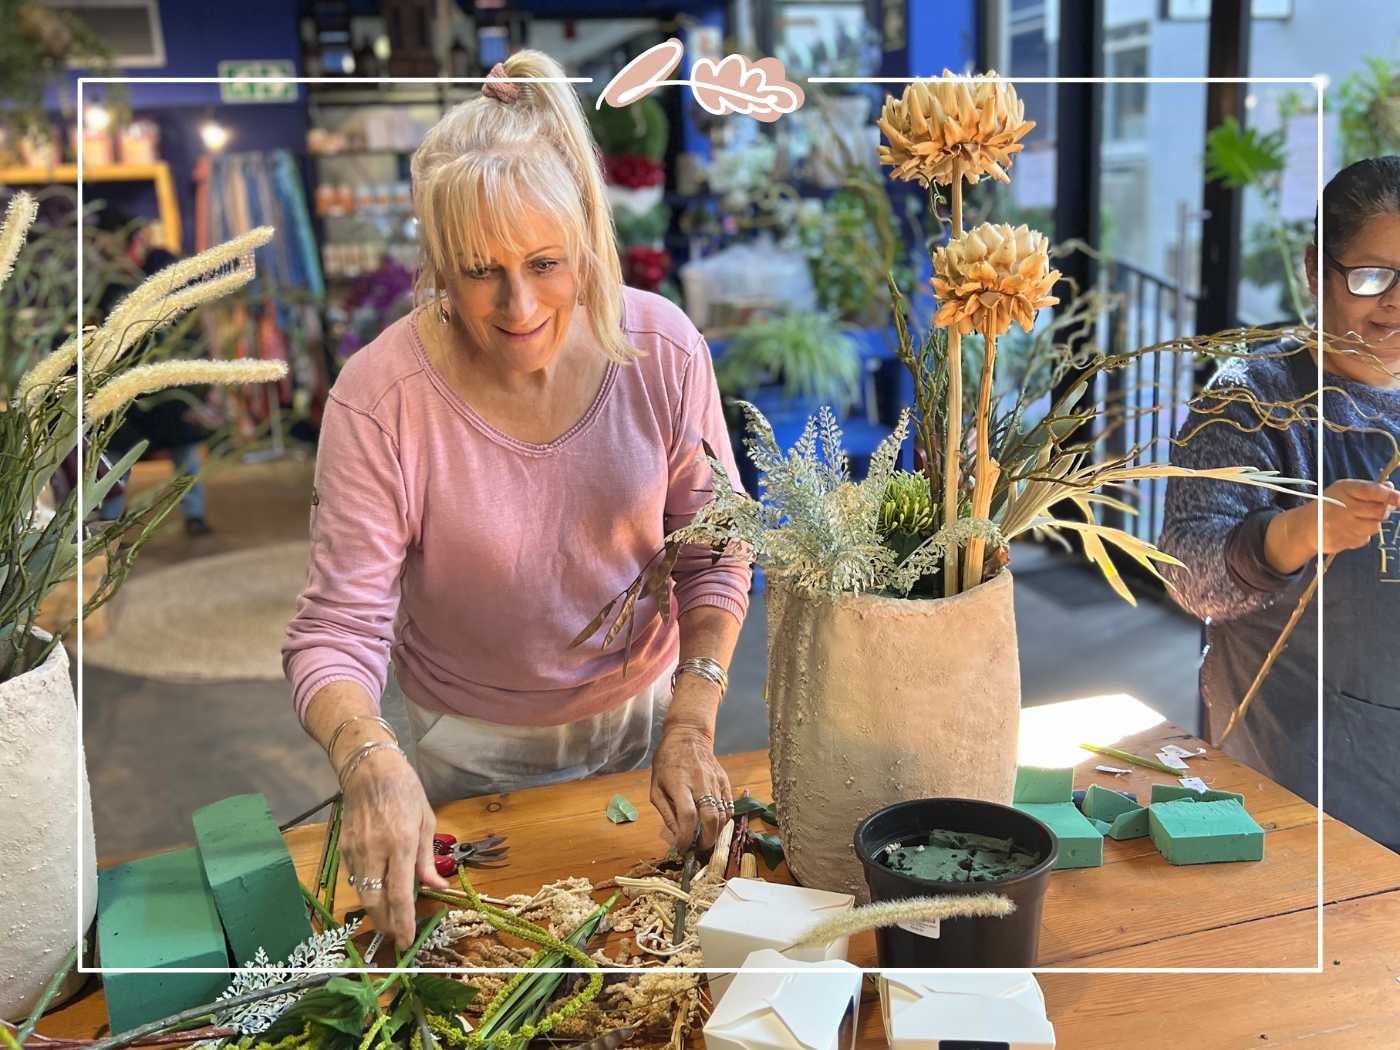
[{"x": 1007, "y": 942}]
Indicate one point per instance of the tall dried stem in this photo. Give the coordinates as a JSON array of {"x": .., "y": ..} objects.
[
  {"x": 985, "y": 479},
  {"x": 953, "y": 448}
]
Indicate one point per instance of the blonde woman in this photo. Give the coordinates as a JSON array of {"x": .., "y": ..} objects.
[{"x": 492, "y": 470}]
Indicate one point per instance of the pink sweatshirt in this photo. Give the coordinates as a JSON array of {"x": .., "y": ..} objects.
[{"x": 475, "y": 558}]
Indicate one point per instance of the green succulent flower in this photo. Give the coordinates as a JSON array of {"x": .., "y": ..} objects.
[{"x": 908, "y": 508}]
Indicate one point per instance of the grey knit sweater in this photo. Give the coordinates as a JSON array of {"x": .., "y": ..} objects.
[{"x": 1217, "y": 530}]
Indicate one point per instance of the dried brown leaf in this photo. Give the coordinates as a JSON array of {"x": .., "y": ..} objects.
[
  {"x": 624, "y": 615},
  {"x": 593, "y": 625}
]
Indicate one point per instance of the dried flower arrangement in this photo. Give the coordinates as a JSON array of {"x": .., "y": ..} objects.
[
  {"x": 817, "y": 529},
  {"x": 852, "y": 564}
]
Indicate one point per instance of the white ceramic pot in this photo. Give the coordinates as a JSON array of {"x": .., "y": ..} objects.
[
  {"x": 875, "y": 700},
  {"x": 46, "y": 835}
]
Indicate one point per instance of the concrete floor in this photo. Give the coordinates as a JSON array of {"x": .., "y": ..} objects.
[{"x": 158, "y": 750}]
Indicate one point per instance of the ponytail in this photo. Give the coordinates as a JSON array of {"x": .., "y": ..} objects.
[{"x": 494, "y": 156}]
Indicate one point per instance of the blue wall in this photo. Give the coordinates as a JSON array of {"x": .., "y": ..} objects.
[
  {"x": 198, "y": 36},
  {"x": 942, "y": 34}
]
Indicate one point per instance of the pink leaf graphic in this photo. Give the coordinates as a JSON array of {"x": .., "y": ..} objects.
[
  {"x": 643, "y": 75},
  {"x": 734, "y": 85}
]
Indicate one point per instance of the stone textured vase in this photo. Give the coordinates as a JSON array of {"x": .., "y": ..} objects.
[
  {"x": 875, "y": 700},
  {"x": 46, "y": 840}
]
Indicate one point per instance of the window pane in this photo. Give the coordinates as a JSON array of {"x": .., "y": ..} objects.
[{"x": 1311, "y": 40}]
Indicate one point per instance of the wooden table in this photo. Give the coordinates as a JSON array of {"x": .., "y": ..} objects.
[{"x": 1136, "y": 911}]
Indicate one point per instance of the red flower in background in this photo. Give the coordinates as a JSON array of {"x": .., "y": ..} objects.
[
  {"x": 645, "y": 268},
  {"x": 633, "y": 172}
]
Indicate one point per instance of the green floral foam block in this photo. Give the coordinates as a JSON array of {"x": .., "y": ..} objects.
[
  {"x": 252, "y": 877},
  {"x": 1039, "y": 786},
  {"x": 1103, "y": 804},
  {"x": 1187, "y": 832},
  {"x": 1081, "y": 845},
  {"x": 1133, "y": 824},
  {"x": 1175, "y": 792},
  {"x": 158, "y": 912}
]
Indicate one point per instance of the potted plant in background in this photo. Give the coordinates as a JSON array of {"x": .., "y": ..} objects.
[
  {"x": 47, "y": 812},
  {"x": 788, "y": 366},
  {"x": 1368, "y": 108},
  {"x": 893, "y": 664}
]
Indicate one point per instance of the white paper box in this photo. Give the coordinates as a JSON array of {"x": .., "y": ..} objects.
[
  {"x": 787, "y": 1011},
  {"x": 751, "y": 914},
  {"x": 1000, "y": 1009}
]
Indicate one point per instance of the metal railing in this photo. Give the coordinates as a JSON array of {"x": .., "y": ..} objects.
[{"x": 1149, "y": 396}]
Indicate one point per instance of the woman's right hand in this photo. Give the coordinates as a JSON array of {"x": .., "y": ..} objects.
[
  {"x": 387, "y": 833},
  {"x": 1292, "y": 538}
]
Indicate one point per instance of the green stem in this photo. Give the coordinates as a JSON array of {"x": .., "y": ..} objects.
[
  {"x": 446, "y": 897},
  {"x": 310, "y": 812},
  {"x": 1137, "y": 760},
  {"x": 505, "y": 1004},
  {"x": 330, "y": 863},
  {"x": 678, "y": 923},
  {"x": 209, "y": 1010},
  {"x": 351, "y": 952},
  {"x": 327, "y": 919},
  {"x": 46, "y": 997},
  {"x": 406, "y": 959}
]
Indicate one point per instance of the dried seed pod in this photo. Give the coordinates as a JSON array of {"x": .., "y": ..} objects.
[
  {"x": 991, "y": 276},
  {"x": 939, "y": 123}
]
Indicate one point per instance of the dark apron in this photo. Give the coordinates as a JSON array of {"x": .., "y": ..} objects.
[{"x": 1361, "y": 671}]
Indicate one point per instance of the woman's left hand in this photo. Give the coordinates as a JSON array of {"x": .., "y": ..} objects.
[{"x": 684, "y": 770}]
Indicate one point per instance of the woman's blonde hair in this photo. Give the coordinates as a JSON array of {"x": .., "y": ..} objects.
[{"x": 488, "y": 160}]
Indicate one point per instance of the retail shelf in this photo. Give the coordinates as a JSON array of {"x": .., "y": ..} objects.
[{"x": 67, "y": 174}]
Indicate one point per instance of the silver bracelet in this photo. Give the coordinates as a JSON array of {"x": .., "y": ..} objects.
[
  {"x": 704, "y": 667},
  {"x": 335, "y": 737},
  {"x": 360, "y": 754}
]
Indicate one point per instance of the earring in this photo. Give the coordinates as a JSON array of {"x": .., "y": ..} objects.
[{"x": 442, "y": 312}]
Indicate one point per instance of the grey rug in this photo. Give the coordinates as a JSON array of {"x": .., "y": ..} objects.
[{"x": 219, "y": 617}]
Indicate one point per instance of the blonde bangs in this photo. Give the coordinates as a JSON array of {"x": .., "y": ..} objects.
[{"x": 480, "y": 201}]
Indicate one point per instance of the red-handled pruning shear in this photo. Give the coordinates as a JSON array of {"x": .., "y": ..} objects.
[{"x": 448, "y": 853}]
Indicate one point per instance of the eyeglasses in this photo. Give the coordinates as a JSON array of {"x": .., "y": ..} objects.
[{"x": 1368, "y": 281}]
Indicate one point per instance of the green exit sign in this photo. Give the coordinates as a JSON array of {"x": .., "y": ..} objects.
[{"x": 251, "y": 91}]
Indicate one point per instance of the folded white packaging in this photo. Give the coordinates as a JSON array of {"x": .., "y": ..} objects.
[
  {"x": 926, "y": 1011},
  {"x": 751, "y": 914},
  {"x": 804, "y": 1010}
]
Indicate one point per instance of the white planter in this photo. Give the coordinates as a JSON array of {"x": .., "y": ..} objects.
[
  {"x": 873, "y": 701},
  {"x": 44, "y": 801}
]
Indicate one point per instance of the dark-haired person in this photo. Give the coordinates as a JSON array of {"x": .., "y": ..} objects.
[{"x": 1251, "y": 552}]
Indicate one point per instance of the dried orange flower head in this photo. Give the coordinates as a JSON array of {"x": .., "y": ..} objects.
[
  {"x": 993, "y": 275},
  {"x": 939, "y": 121}
]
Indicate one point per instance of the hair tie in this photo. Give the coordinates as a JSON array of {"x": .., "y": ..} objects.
[{"x": 498, "y": 87}]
